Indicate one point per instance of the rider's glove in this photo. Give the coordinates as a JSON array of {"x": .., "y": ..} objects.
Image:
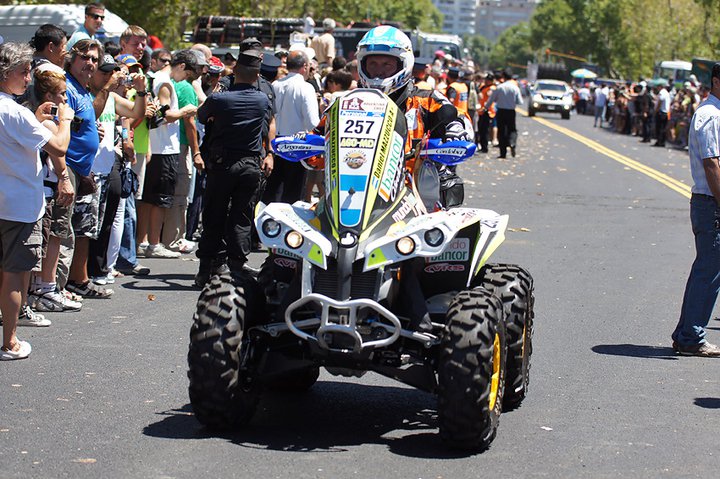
[{"x": 455, "y": 131}]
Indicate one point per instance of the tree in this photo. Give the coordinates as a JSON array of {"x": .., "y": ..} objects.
[
  {"x": 479, "y": 48},
  {"x": 512, "y": 48}
]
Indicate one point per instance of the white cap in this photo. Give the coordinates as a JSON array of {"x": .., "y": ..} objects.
[{"x": 309, "y": 52}]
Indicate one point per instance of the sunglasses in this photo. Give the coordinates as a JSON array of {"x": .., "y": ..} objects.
[
  {"x": 96, "y": 16},
  {"x": 87, "y": 57}
]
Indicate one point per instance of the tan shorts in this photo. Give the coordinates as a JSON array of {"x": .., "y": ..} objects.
[{"x": 20, "y": 246}]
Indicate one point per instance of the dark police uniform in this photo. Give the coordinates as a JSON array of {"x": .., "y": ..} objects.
[{"x": 233, "y": 170}]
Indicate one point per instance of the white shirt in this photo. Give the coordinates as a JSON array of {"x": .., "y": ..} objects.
[
  {"x": 505, "y": 96},
  {"x": 105, "y": 156},
  {"x": 704, "y": 141},
  {"x": 21, "y": 179},
  {"x": 296, "y": 105},
  {"x": 165, "y": 139},
  {"x": 664, "y": 100}
]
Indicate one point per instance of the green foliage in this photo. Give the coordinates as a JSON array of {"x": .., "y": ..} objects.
[
  {"x": 627, "y": 37},
  {"x": 512, "y": 49},
  {"x": 479, "y": 48},
  {"x": 168, "y": 19}
]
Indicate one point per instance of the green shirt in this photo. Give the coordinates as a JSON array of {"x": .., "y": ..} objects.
[
  {"x": 186, "y": 96},
  {"x": 141, "y": 137}
]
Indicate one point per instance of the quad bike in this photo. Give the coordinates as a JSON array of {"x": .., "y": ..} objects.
[{"x": 374, "y": 277}]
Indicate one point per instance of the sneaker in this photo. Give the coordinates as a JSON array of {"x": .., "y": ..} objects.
[
  {"x": 101, "y": 280},
  {"x": 137, "y": 270},
  {"x": 54, "y": 301},
  {"x": 160, "y": 251},
  {"x": 182, "y": 246},
  {"x": 28, "y": 317},
  {"x": 89, "y": 290},
  {"x": 705, "y": 350},
  {"x": 141, "y": 249},
  {"x": 36, "y": 301},
  {"x": 22, "y": 352}
]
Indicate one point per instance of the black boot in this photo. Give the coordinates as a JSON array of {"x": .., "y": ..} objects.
[{"x": 208, "y": 269}]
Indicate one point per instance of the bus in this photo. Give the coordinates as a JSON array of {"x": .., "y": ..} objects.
[{"x": 677, "y": 71}]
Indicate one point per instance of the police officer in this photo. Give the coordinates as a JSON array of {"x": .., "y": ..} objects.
[{"x": 235, "y": 167}]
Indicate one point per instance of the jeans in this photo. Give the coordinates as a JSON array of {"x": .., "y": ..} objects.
[
  {"x": 599, "y": 113},
  {"x": 703, "y": 285},
  {"x": 127, "y": 258}
]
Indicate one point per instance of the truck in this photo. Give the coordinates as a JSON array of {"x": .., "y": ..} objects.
[
  {"x": 702, "y": 69},
  {"x": 227, "y": 30}
]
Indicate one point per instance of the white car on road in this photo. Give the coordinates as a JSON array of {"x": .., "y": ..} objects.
[{"x": 552, "y": 96}]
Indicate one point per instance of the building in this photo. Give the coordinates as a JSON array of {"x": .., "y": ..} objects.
[
  {"x": 459, "y": 16},
  {"x": 492, "y": 17}
]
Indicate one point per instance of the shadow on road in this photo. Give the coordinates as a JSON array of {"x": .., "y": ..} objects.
[
  {"x": 329, "y": 418},
  {"x": 635, "y": 351},
  {"x": 163, "y": 282},
  {"x": 708, "y": 403}
]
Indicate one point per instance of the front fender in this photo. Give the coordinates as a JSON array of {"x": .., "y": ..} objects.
[{"x": 297, "y": 217}]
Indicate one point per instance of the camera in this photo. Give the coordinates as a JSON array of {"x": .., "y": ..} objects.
[
  {"x": 54, "y": 110},
  {"x": 76, "y": 123},
  {"x": 127, "y": 81}
]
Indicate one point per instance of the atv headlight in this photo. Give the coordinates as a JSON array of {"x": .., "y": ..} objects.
[
  {"x": 434, "y": 237},
  {"x": 271, "y": 228},
  {"x": 294, "y": 240},
  {"x": 405, "y": 245}
]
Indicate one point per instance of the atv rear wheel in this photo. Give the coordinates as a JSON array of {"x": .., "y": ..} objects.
[
  {"x": 514, "y": 286},
  {"x": 471, "y": 370},
  {"x": 222, "y": 392}
]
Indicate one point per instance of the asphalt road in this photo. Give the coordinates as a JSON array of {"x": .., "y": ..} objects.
[{"x": 104, "y": 393}]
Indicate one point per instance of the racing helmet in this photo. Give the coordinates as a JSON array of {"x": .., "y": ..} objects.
[{"x": 386, "y": 40}]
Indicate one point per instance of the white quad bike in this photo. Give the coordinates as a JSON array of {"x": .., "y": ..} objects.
[{"x": 371, "y": 278}]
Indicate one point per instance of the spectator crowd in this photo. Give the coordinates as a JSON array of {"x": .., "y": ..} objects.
[
  {"x": 655, "y": 110},
  {"x": 110, "y": 163}
]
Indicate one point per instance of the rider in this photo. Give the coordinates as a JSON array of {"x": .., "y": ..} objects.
[{"x": 385, "y": 62}]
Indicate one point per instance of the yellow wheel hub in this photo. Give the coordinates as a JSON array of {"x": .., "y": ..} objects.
[{"x": 495, "y": 381}]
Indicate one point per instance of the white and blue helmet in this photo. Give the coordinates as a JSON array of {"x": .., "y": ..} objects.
[{"x": 386, "y": 40}]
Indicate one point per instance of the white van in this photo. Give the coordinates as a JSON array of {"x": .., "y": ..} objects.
[{"x": 18, "y": 23}]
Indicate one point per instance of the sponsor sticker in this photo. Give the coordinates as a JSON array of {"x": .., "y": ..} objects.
[
  {"x": 353, "y": 104},
  {"x": 350, "y": 142},
  {"x": 457, "y": 251},
  {"x": 406, "y": 207},
  {"x": 393, "y": 168},
  {"x": 355, "y": 159},
  {"x": 444, "y": 268},
  {"x": 285, "y": 263}
]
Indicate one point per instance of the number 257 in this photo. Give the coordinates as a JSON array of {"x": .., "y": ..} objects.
[{"x": 358, "y": 126}]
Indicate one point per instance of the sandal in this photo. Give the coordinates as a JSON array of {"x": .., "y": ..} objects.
[{"x": 89, "y": 290}]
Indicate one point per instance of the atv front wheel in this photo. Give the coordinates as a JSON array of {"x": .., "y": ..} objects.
[
  {"x": 514, "y": 286},
  {"x": 222, "y": 393},
  {"x": 471, "y": 370}
]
